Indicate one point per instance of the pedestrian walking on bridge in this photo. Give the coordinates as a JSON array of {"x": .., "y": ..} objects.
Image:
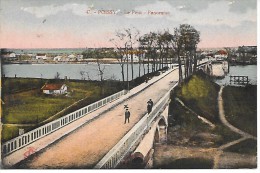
[
  {"x": 149, "y": 106},
  {"x": 127, "y": 115}
]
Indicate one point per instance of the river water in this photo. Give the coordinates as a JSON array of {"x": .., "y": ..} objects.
[
  {"x": 246, "y": 70},
  {"x": 72, "y": 71}
]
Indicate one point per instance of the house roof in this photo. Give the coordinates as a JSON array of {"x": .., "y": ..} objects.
[
  {"x": 52, "y": 86},
  {"x": 222, "y": 52}
]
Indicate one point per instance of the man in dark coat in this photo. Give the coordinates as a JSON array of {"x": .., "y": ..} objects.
[
  {"x": 127, "y": 115},
  {"x": 149, "y": 106}
]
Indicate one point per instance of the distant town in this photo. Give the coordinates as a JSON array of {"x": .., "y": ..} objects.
[{"x": 242, "y": 55}]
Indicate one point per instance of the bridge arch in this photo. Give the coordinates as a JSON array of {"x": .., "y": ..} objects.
[
  {"x": 156, "y": 135},
  {"x": 160, "y": 135},
  {"x": 137, "y": 160},
  {"x": 162, "y": 121}
]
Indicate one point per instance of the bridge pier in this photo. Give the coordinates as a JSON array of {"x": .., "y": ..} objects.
[
  {"x": 142, "y": 157},
  {"x": 160, "y": 136}
]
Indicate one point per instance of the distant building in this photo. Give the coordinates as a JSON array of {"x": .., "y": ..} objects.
[
  {"x": 79, "y": 57},
  {"x": 57, "y": 58},
  {"x": 54, "y": 89},
  {"x": 9, "y": 56},
  {"x": 247, "y": 51},
  {"x": 136, "y": 55},
  {"x": 71, "y": 57},
  {"x": 221, "y": 55},
  {"x": 41, "y": 56},
  {"x": 12, "y": 55}
]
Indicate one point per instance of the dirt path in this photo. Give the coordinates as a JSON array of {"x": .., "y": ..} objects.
[
  {"x": 224, "y": 120},
  {"x": 166, "y": 154},
  {"x": 219, "y": 158}
]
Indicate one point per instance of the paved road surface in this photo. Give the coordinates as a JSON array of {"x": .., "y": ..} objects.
[{"x": 84, "y": 147}]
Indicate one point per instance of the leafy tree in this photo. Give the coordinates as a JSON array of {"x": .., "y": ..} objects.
[
  {"x": 121, "y": 48},
  {"x": 132, "y": 35},
  {"x": 184, "y": 43}
]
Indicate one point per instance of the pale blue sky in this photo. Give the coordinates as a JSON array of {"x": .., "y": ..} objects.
[{"x": 65, "y": 23}]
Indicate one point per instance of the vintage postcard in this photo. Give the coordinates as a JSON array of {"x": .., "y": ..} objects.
[{"x": 120, "y": 84}]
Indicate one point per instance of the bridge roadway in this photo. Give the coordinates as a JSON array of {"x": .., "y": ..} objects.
[{"x": 84, "y": 147}]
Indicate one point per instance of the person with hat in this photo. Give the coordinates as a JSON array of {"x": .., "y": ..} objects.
[
  {"x": 127, "y": 115},
  {"x": 149, "y": 106}
]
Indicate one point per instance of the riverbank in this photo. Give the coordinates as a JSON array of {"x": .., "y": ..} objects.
[
  {"x": 85, "y": 61},
  {"x": 192, "y": 143}
]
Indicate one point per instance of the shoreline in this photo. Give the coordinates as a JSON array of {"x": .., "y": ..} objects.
[{"x": 79, "y": 62}]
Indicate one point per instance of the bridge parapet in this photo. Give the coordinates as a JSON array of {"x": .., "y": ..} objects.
[
  {"x": 33, "y": 135},
  {"x": 133, "y": 137}
]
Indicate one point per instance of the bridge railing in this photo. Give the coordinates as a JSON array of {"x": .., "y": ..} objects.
[
  {"x": 33, "y": 135},
  {"x": 117, "y": 153}
]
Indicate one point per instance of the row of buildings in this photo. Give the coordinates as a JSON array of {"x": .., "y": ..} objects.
[
  {"x": 40, "y": 57},
  {"x": 244, "y": 54},
  {"x": 241, "y": 54}
]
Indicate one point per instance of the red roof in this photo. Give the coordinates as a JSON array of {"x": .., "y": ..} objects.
[
  {"x": 222, "y": 52},
  {"x": 52, "y": 86}
]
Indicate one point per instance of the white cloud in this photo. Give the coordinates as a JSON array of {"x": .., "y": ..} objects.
[
  {"x": 231, "y": 2},
  {"x": 158, "y": 6},
  {"x": 217, "y": 13},
  {"x": 48, "y": 10}
]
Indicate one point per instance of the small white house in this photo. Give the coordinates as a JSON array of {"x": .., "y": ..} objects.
[
  {"x": 71, "y": 57},
  {"x": 41, "y": 56},
  {"x": 12, "y": 55},
  {"x": 55, "y": 89},
  {"x": 79, "y": 57},
  {"x": 221, "y": 55},
  {"x": 57, "y": 58},
  {"x": 135, "y": 58}
]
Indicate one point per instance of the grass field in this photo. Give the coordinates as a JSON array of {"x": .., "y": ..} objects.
[
  {"x": 186, "y": 163},
  {"x": 30, "y": 106},
  {"x": 11, "y": 131},
  {"x": 192, "y": 132},
  {"x": 240, "y": 105},
  {"x": 201, "y": 95},
  {"x": 248, "y": 146}
]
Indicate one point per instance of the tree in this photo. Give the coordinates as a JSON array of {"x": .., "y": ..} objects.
[
  {"x": 164, "y": 41},
  {"x": 177, "y": 46},
  {"x": 160, "y": 46},
  {"x": 100, "y": 70},
  {"x": 132, "y": 35},
  {"x": 57, "y": 75},
  {"x": 121, "y": 47},
  {"x": 148, "y": 42},
  {"x": 184, "y": 42},
  {"x": 84, "y": 74}
]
